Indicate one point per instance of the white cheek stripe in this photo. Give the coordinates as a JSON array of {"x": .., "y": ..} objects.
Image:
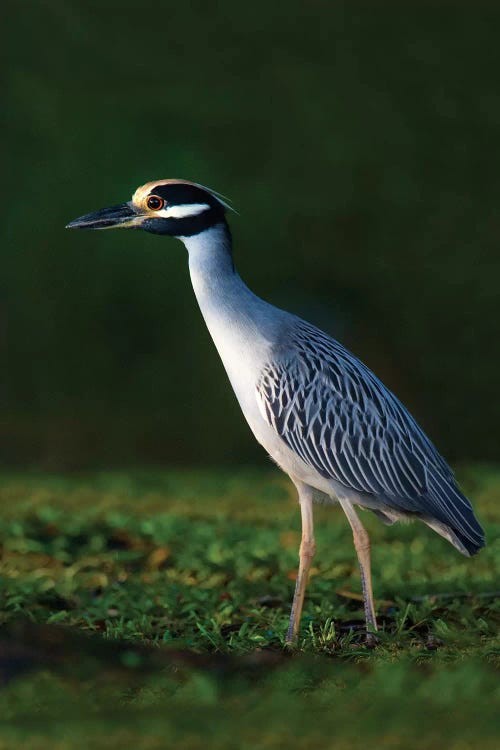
[{"x": 181, "y": 212}]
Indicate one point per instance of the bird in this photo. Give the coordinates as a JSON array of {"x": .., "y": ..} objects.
[{"x": 321, "y": 414}]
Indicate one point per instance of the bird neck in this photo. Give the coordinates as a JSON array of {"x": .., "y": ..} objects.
[
  {"x": 217, "y": 285},
  {"x": 210, "y": 258},
  {"x": 236, "y": 318}
]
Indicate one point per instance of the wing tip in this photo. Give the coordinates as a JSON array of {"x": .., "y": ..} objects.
[{"x": 468, "y": 544}]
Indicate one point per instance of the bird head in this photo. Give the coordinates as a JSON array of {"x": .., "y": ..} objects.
[{"x": 175, "y": 207}]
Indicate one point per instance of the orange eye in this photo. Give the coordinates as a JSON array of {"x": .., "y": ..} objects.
[{"x": 155, "y": 203}]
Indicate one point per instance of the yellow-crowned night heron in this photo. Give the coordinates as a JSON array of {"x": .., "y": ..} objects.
[{"x": 322, "y": 415}]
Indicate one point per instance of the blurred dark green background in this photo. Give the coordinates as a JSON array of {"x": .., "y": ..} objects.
[{"x": 360, "y": 144}]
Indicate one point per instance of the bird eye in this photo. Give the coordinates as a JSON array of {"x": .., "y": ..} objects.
[{"x": 155, "y": 203}]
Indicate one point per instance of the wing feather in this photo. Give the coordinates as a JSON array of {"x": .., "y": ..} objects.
[{"x": 334, "y": 413}]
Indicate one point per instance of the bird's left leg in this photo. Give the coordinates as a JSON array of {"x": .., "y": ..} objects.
[
  {"x": 362, "y": 545},
  {"x": 306, "y": 554}
]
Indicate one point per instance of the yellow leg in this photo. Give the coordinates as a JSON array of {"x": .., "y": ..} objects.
[
  {"x": 306, "y": 554},
  {"x": 362, "y": 545}
]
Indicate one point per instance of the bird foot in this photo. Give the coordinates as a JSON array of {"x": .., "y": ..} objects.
[{"x": 372, "y": 640}]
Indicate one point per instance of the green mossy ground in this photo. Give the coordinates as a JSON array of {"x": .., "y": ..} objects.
[{"x": 148, "y": 609}]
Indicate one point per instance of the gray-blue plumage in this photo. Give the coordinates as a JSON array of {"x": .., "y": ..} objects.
[
  {"x": 341, "y": 420},
  {"x": 321, "y": 414}
]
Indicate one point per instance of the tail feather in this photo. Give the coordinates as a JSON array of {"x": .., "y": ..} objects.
[
  {"x": 453, "y": 511},
  {"x": 471, "y": 547}
]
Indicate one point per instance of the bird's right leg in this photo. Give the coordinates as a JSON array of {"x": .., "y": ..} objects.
[
  {"x": 362, "y": 545},
  {"x": 306, "y": 554}
]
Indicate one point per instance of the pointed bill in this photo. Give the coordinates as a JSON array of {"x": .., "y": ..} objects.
[{"x": 115, "y": 217}]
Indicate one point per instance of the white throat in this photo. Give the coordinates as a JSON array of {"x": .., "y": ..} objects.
[
  {"x": 241, "y": 324},
  {"x": 212, "y": 239},
  {"x": 210, "y": 262}
]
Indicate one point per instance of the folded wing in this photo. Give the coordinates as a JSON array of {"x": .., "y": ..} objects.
[{"x": 334, "y": 413}]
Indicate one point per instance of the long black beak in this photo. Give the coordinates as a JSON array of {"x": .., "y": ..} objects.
[{"x": 119, "y": 217}]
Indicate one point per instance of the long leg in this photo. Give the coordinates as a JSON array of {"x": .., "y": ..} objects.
[
  {"x": 362, "y": 545},
  {"x": 306, "y": 554}
]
